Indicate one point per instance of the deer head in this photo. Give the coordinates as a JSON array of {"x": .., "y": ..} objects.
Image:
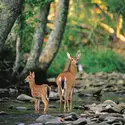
[
  {"x": 74, "y": 60},
  {"x": 30, "y": 78}
]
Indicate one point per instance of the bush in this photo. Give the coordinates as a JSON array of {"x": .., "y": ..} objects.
[{"x": 102, "y": 60}]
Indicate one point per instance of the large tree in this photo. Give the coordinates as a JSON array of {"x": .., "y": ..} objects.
[
  {"x": 9, "y": 11},
  {"x": 42, "y": 60}
]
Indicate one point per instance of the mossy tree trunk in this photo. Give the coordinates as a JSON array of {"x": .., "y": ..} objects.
[
  {"x": 54, "y": 41},
  {"x": 37, "y": 42},
  {"x": 41, "y": 61},
  {"x": 9, "y": 11}
]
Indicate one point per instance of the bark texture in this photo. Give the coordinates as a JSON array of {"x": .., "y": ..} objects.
[
  {"x": 36, "y": 48},
  {"x": 9, "y": 11},
  {"x": 55, "y": 37}
]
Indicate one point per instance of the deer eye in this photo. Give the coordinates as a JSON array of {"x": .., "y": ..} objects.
[{"x": 72, "y": 59}]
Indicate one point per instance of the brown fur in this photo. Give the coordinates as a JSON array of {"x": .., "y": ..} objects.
[
  {"x": 69, "y": 78},
  {"x": 38, "y": 91}
]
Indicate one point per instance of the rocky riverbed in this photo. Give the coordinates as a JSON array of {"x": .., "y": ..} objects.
[{"x": 99, "y": 99}]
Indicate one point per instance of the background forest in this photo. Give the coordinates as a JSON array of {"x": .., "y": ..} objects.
[{"x": 95, "y": 27}]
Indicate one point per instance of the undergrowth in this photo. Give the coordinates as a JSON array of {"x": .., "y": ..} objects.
[{"x": 93, "y": 60}]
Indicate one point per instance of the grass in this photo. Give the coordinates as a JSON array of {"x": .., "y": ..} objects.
[
  {"x": 94, "y": 60},
  {"x": 102, "y": 60}
]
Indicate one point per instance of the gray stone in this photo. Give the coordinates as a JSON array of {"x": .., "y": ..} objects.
[
  {"x": 80, "y": 121},
  {"x": 109, "y": 102},
  {"x": 19, "y": 123},
  {"x": 71, "y": 116},
  {"x": 45, "y": 118},
  {"x": 24, "y": 97},
  {"x": 55, "y": 121},
  {"x": 111, "y": 120},
  {"x": 3, "y": 113},
  {"x": 36, "y": 124},
  {"x": 21, "y": 108}
]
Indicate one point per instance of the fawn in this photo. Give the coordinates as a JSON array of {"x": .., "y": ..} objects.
[
  {"x": 38, "y": 91},
  {"x": 66, "y": 81}
]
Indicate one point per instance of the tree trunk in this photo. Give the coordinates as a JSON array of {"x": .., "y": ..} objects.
[
  {"x": 9, "y": 11},
  {"x": 19, "y": 38},
  {"x": 32, "y": 61},
  {"x": 55, "y": 37},
  {"x": 17, "y": 61}
]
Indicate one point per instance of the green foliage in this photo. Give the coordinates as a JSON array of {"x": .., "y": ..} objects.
[
  {"x": 102, "y": 60},
  {"x": 58, "y": 64},
  {"x": 94, "y": 60},
  {"x": 38, "y": 2},
  {"x": 116, "y": 6}
]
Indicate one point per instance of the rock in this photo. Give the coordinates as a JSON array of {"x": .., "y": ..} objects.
[
  {"x": 71, "y": 117},
  {"x": 45, "y": 118},
  {"x": 53, "y": 94},
  {"x": 3, "y": 113},
  {"x": 79, "y": 107},
  {"x": 24, "y": 97},
  {"x": 4, "y": 92},
  {"x": 21, "y": 108},
  {"x": 55, "y": 121},
  {"x": 51, "y": 79},
  {"x": 5, "y": 99},
  {"x": 98, "y": 92},
  {"x": 118, "y": 123},
  {"x": 36, "y": 124},
  {"x": 80, "y": 121},
  {"x": 95, "y": 108},
  {"x": 18, "y": 101},
  {"x": 13, "y": 90},
  {"x": 120, "y": 82},
  {"x": 102, "y": 117},
  {"x": 19, "y": 123},
  {"x": 98, "y": 84},
  {"x": 102, "y": 123},
  {"x": 112, "y": 120},
  {"x": 109, "y": 102},
  {"x": 120, "y": 107},
  {"x": 52, "y": 106},
  {"x": 110, "y": 110}
]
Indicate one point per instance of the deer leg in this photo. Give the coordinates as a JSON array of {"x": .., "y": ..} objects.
[
  {"x": 60, "y": 96},
  {"x": 71, "y": 94},
  {"x": 67, "y": 101},
  {"x": 45, "y": 102},
  {"x": 38, "y": 105},
  {"x": 35, "y": 105}
]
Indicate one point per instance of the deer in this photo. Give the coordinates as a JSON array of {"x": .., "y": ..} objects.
[
  {"x": 66, "y": 82},
  {"x": 38, "y": 92}
]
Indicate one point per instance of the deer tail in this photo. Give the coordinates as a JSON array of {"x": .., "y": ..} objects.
[
  {"x": 63, "y": 85},
  {"x": 48, "y": 92}
]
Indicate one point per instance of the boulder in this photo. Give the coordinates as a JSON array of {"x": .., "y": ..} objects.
[
  {"x": 24, "y": 97},
  {"x": 45, "y": 118},
  {"x": 80, "y": 121},
  {"x": 55, "y": 121}
]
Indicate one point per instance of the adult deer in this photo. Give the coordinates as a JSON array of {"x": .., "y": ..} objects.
[
  {"x": 66, "y": 81},
  {"x": 38, "y": 91}
]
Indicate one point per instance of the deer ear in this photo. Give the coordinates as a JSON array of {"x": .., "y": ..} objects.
[
  {"x": 78, "y": 56},
  {"x": 68, "y": 55},
  {"x": 30, "y": 73},
  {"x": 33, "y": 74}
]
